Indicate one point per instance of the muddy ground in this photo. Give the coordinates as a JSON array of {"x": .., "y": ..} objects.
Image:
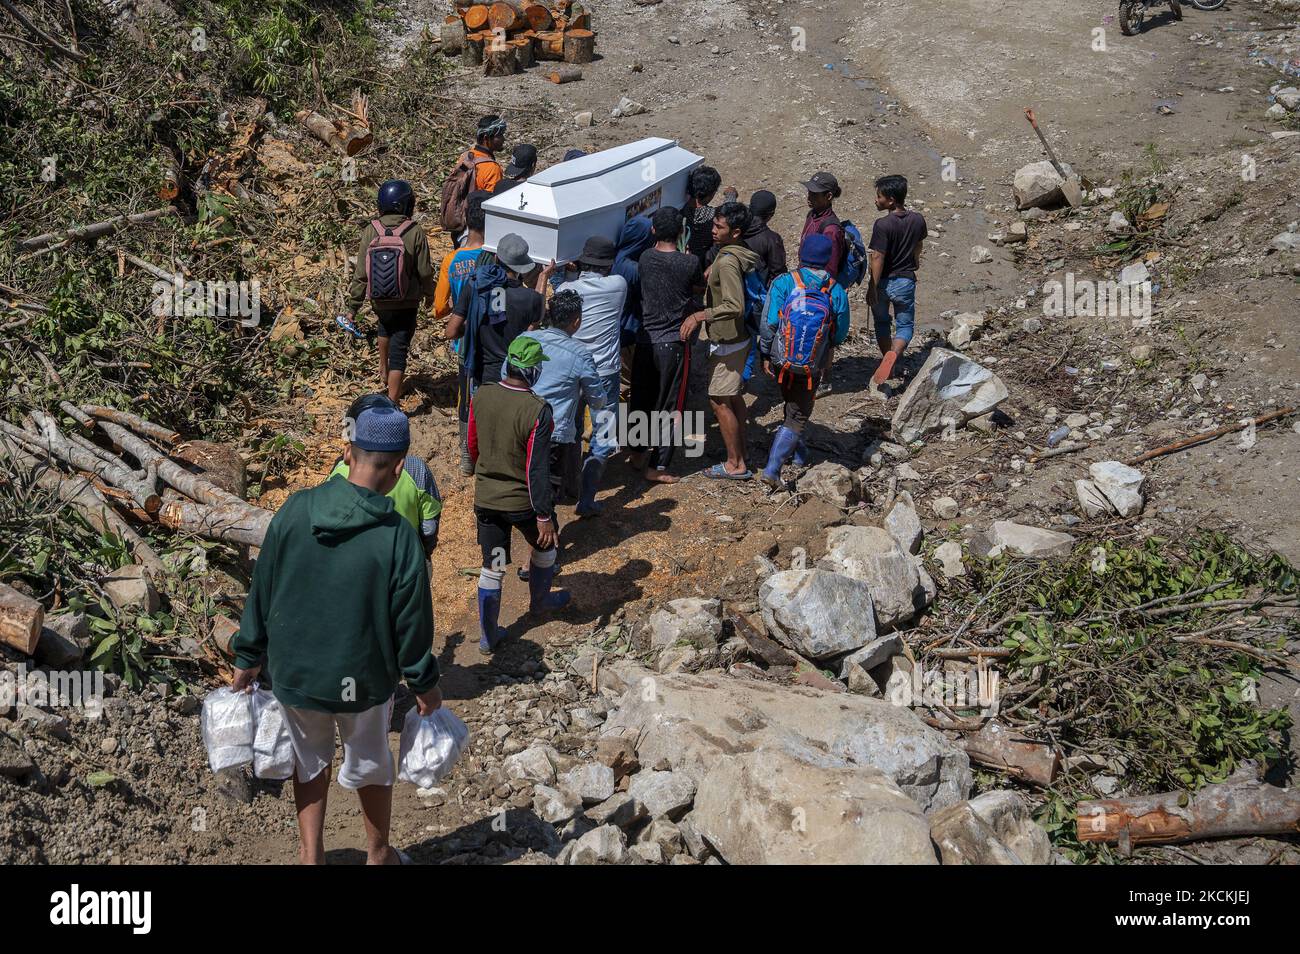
[{"x": 879, "y": 87}]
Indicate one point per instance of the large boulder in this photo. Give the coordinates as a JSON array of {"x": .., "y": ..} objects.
[
  {"x": 662, "y": 794},
  {"x": 1039, "y": 186},
  {"x": 690, "y": 721},
  {"x": 768, "y": 807},
  {"x": 949, "y": 390},
  {"x": 894, "y": 577},
  {"x": 130, "y": 590},
  {"x": 690, "y": 620},
  {"x": 816, "y": 612},
  {"x": 1021, "y": 540},
  {"x": 831, "y": 482}
]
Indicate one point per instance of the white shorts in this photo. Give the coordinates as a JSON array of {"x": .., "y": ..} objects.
[{"x": 367, "y": 760}]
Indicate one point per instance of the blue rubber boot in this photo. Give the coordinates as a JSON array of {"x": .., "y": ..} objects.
[
  {"x": 541, "y": 599},
  {"x": 782, "y": 445},
  {"x": 801, "y": 453},
  {"x": 489, "y": 606},
  {"x": 593, "y": 468}
]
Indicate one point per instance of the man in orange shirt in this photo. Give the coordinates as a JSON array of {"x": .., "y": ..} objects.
[{"x": 488, "y": 141}]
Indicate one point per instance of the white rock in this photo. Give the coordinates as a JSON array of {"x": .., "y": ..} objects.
[
  {"x": 832, "y": 482},
  {"x": 949, "y": 389},
  {"x": 590, "y": 781},
  {"x": 1118, "y": 223},
  {"x": 534, "y": 764},
  {"x": 871, "y": 555},
  {"x": 873, "y": 654},
  {"x": 129, "y": 588},
  {"x": 1092, "y": 501},
  {"x": 1039, "y": 185},
  {"x": 816, "y": 612},
  {"x": 1121, "y": 484},
  {"x": 603, "y": 845},
  {"x": 1022, "y": 540},
  {"x": 553, "y": 805},
  {"x": 949, "y": 556},
  {"x": 583, "y": 118},
  {"x": 1135, "y": 274},
  {"x": 904, "y": 523},
  {"x": 689, "y": 620},
  {"x": 1289, "y": 98},
  {"x": 980, "y": 255},
  {"x": 945, "y": 508},
  {"x": 662, "y": 794}
]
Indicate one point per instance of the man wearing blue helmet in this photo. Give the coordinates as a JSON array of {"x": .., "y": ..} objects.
[{"x": 394, "y": 272}]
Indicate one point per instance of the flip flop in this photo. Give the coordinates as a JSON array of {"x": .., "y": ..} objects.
[
  {"x": 402, "y": 857},
  {"x": 348, "y": 325},
  {"x": 886, "y": 367},
  {"x": 720, "y": 472}
]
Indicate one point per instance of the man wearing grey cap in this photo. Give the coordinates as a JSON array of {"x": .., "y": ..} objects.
[{"x": 823, "y": 189}]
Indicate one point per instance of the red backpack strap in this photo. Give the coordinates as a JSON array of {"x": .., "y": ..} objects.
[
  {"x": 379, "y": 227},
  {"x": 403, "y": 227}
]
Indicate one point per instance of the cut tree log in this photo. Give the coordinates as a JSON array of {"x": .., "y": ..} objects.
[
  {"x": 549, "y": 45},
  {"x": 1238, "y": 807},
  {"x": 134, "y": 421},
  {"x": 170, "y": 472},
  {"x": 506, "y": 15},
  {"x": 224, "y": 629},
  {"x": 499, "y": 60},
  {"x": 79, "y": 493},
  {"x": 453, "y": 36},
  {"x": 344, "y": 138},
  {"x": 169, "y": 179},
  {"x": 579, "y": 46},
  {"x": 538, "y": 17},
  {"x": 564, "y": 74},
  {"x": 476, "y": 18},
  {"x": 52, "y": 441},
  {"x": 580, "y": 21},
  {"x": 471, "y": 53},
  {"x": 77, "y": 414},
  {"x": 228, "y": 523},
  {"x": 998, "y": 747},
  {"x": 94, "y": 230},
  {"x": 524, "y": 55},
  {"x": 21, "y": 619}
]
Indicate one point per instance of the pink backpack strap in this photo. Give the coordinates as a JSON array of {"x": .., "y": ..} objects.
[
  {"x": 378, "y": 226},
  {"x": 404, "y": 226}
]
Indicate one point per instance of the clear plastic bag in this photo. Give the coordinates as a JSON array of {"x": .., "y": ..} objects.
[
  {"x": 229, "y": 726},
  {"x": 430, "y": 746},
  {"x": 272, "y": 745}
]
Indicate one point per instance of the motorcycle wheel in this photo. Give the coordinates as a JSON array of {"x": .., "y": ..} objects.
[
  {"x": 1176, "y": 9},
  {"x": 1130, "y": 17},
  {"x": 1207, "y": 4}
]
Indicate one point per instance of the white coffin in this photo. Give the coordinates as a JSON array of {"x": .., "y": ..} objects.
[{"x": 558, "y": 209}]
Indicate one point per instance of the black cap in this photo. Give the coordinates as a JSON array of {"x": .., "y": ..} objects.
[
  {"x": 598, "y": 252},
  {"x": 522, "y": 158},
  {"x": 762, "y": 204},
  {"x": 574, "y": 154},
  {"x": 823, "y": 182}
]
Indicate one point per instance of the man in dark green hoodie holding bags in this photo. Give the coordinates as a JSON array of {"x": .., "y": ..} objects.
[{"x": 339, "y": 612}]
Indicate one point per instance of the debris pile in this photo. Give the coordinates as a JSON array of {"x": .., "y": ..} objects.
[{"x": 510, "y": 36}]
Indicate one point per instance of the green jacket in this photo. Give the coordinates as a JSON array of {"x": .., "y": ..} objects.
[
  {"x": 423, "y": 276},
  {"x": 725, "y": 297},
  {"x": 340, "y": 602}
]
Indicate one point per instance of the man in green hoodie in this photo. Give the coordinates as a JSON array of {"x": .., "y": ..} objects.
[
  {"x": 339, "y": 612},
  {"x": 723, "y": 318}
]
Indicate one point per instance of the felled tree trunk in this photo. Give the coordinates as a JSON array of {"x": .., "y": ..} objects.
[
  {"x": 133, "y": 421},
  {"x": 550, "y": 45},
  {"x": 998, "y": 747},
  {"x": 499, "y": 60},
  {"x": 228, "y": 523},
  {"x": 524, "y": 57},
  {"x": 579, "y": 46},
  {"x": 94, "y": 230},
  {"x": 453, "y": 36},
  {"x": 342, "y": 137},
  {"x": 1239, "y": 806},
  {"x": 471, "y": 53},
  {"x": 505, "y": 15},
  {"x": 476, "y": 18},
  {"x": 143, "y": 491},
  {"x": 170, "y": 472},
  {"x": 21, "y": 619},
  {"x": 538, "y": 17},
  {"x": 78, "y": 492},
  {"x": 564, "y": 74}
]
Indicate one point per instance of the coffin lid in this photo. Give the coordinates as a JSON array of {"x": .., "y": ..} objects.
[{"x": 589, "y": 183}]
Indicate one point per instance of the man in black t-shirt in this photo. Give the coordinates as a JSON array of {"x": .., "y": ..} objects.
[
  {"x": 896, "y": 244},
  {"x": 671, "y": 282}
]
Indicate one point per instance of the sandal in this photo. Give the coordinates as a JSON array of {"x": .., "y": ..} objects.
[{"x": 720, "y": 472}]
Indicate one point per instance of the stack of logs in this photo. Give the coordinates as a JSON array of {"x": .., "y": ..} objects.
[
  {"x": 507, "y": 36},
  {"x": 117, "y": 470}
]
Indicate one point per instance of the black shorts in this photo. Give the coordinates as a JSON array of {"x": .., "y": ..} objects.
[
  {"x": 494, "y": 534},
  {"x": 398, "y": 327}
]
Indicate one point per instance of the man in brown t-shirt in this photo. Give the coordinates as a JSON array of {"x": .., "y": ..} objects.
[{"x": 896, "y": 244}]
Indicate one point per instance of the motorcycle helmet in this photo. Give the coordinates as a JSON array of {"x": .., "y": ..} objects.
[{"x": 396, "y": 195}]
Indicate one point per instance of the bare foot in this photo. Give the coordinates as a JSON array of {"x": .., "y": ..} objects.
[{"x": 659, "y": 476}]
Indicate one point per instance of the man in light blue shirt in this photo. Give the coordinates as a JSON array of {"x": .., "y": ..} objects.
[
  {"x": 569, "y": 376},
  {"x": 603, "y": 297},
  {"x": 809, "y": 291}
]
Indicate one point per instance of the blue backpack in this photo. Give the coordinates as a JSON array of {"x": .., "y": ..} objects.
[
  {"x": 854, "y": 268},
  {"x": 755, "y": 298},
  {"x": 803, "y": 328},
  {"x": 486, "y": 304}
]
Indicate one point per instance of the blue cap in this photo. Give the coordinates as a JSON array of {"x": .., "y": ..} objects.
[
  {"x": 382, "y": 429},
  {"x": 815, "y": 252}
]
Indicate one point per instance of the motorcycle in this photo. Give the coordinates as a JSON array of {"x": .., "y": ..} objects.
[{"x": 1133, "y": 12}]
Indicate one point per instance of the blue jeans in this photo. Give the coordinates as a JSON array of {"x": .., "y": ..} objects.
[
  {"x": 901, "y": 292},
  {"x": 604, "y": 423}
]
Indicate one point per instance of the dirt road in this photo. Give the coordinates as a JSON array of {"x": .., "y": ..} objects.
[{"x": 769, "y": 93}]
